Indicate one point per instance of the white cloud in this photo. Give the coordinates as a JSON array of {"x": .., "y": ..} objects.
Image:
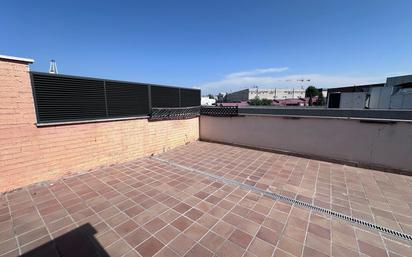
[
  {"x": 256, "y": 72},
  {"x": 246, "y": 79}
]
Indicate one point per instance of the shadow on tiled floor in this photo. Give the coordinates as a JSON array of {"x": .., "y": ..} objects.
[{"x": 79, "y": 242}]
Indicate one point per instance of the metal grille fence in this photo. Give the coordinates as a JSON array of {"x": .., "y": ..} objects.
[
  {"x": 174, "y": 113},
  {"x": 221, "y": 111}
]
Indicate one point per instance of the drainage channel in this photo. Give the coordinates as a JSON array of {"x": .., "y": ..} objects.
[{"x": 292, "y": 201}]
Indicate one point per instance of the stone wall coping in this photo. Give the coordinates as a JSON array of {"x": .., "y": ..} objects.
[{"x": 14, "y": 58}]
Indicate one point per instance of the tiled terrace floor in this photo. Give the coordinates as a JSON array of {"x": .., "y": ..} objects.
[
  {"x": 149, "y": 208},
  {"x": 370, "y": 195}
]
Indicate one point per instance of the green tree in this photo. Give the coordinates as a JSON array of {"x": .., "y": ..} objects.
[
  {"x": 311, "y": 92},
  {"x": 256, "y": 101},
  {"x": 321, "y": 99},
  {"x": 265, "y": 101}
]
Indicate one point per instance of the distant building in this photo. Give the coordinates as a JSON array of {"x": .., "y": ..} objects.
[
  {"x": 294, "y": 101},
  {"x": 272, "y": 94},
  {"x": 221, "y": 97},
  {"x": 239, "y": 104},
  {"x": 205, "y": 100},
  {"x": 352, "y": 97},
  {"x": 278, "y": 102},
  {"x": 396, "y": 93}
]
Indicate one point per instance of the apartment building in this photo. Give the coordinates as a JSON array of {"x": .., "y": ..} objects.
[{"x": 265, "y": 93}]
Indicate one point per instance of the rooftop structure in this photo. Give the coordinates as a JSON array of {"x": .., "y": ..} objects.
[
  {"x": 143, "y": 170},
  {"x": 396, "y": 93}
]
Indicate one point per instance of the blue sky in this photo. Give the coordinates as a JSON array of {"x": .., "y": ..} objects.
[{"x": 215, "y": 45}]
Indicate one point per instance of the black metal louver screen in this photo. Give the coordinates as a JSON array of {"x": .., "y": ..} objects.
[
  {"x": 165, "y": 97},
  {"x": 61, "y": 98},
  {"x": 189, "y": 97},
  {"x": 65, "y": 99},
  {"x": 126, "y": 99}
]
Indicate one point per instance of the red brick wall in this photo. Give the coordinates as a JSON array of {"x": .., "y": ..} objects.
[{"x": 29, "y": 154}]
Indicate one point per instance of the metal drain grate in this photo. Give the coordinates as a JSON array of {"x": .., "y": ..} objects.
[{"x": 294, "y": 201}]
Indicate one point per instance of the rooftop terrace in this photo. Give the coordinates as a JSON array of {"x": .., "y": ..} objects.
[
  {"x": 96, "y": 167},
  {"x": 184, "y": 202}
]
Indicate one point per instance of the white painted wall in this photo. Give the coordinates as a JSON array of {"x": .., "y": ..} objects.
[
  {"x": 205, "y": 100},
  {"x": 384, "y": 145},
  {"x": 355, "y": 100},
  {"x": 276, "y": 93}
]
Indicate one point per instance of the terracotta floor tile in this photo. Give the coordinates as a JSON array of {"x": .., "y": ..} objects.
[
  {"x": 182, "y": 207},
  {"x": 166, "y": 234},
  {"x": 181, "y": 244},
  {"x": 212, "y": 241},
  {"x": 256, "y": 217},
  {"x": 166, "y": 252},
  {"x": 345, "y": 240},
  {"x": 207, "y": 221},
  {"x": 155, "y": 225},
  {"x": 199, "y": 251},
  {"x": 7, "y": 246},
  {"x": 229, "y": 249},
  {"x": 339, "y": 251},
  {"x": 297, "y": 222},
  {"x": 132, "y": 253},
  {"x": 261, "y": 248},
  {"x": 6, "y": 235},
  {"x": 136, "y": 237},
  {"x": 273, "y": 224},
  {"x": 194, "y": 214},
  {"x": 248, "y": 226},
  {"x": 223, "y": 229},
  {"x": 182, "y": 223},
  {"x": 143, "y": 217},
  {"x": 126, "y": 227},
  {"x": 117, "y": 220},
  {"x": 169, "y": 215},
  {"x": 290, "y": 246},
  {"x": 371, "y": 250},
  {"x": 32, "y": 236},
  {"x": 240, "y": 238},
  {"x": 310, "y": 252},
  {"x": 320, "y": 244},
  {"x": 280, "y": 253},
  {"x": 149, "y": 247},
  {"x": 118, "y": 249},
  {"x": 108, "y": 238},
  {"x": 133, "y": 211},
  {"x": 196, "y": 231}
]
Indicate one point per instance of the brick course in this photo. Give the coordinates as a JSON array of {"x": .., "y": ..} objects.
[{"x": 30, "y": 154}]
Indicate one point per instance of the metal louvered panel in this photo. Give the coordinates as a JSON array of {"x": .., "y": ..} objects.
[
  {"x": 189, "y": 97},
  {"x": 126, "y": 99},
  {"x": 68, "y": 98},
  {"x": 165, "y": 96},
  {"x": 62, "y": 98}
]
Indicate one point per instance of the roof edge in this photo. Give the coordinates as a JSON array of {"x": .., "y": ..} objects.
[{"x": 14, "y": 58}]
